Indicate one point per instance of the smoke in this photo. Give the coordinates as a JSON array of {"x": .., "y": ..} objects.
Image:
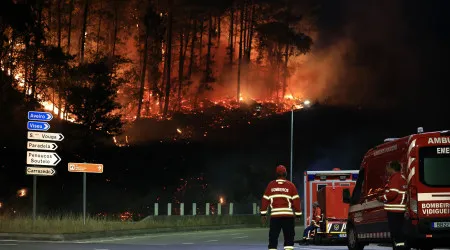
[{"x": 365, "y": 53}]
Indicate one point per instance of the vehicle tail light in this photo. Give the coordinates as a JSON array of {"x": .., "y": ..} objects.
[{"x": 413, "y": 202}]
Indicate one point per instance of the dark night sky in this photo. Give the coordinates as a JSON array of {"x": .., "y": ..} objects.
[{"x": 400, "y": 52}]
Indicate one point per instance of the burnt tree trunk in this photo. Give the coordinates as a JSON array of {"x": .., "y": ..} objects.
[
  {"x": 99, "y": 27},
  {"x": 180, "y": 70},
  {"x": 251, "y": 32},
  {"x": 208, "y": 53},
  {"x": 37, "y": 45},
  {"x": 59, "y": 23},
  {"x": 200, "y": 46},
  {"x": 83, "y": 30},
  {"x": 169, "y": 61},
  {"x": 142, "y": 80},
  {"x": 192, "y": 52},
  {"x": 218, "y": 31},
  {"x": 69, "y": 31},
  {"x": 240, "y": 54},
  {"x": 231, "y": 41},
  {"x": 116, "y": 21}
]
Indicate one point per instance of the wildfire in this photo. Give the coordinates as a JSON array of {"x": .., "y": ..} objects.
[
  {"x": 22, "y": 192},
  {"x": 126, "y": 216},
  {"x": 289, "y": 97},
  {"x": 120, "y": 144},
  {"x": 47, "y": 105},
  {"x": 271, "y": 106}
]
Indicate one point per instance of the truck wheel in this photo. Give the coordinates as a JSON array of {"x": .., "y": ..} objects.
[{"x": 352, "y": 240}]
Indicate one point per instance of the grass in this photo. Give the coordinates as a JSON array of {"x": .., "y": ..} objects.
[{"x": 67, "y": 225}]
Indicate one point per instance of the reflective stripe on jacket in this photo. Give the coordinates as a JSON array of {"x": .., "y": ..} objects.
[
  {"x": 317, "y": 213},
  {"x": 394, "y": 197},
  {"x": 282, "y": 197}
]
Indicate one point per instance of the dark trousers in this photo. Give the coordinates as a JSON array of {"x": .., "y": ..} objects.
[
  {"x": 287, "y": 224},
  {"x": 307, "y": 230},
  {"x": 396, "y": 227}
]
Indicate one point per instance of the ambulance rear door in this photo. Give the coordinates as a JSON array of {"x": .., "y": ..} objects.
[{"x": 315, "y": 180}]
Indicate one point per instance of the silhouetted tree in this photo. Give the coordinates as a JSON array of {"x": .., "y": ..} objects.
[{"x": 92, "y": 98}]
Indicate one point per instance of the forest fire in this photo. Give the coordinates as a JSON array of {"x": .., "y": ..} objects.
[{"x": 228, "y": 58}]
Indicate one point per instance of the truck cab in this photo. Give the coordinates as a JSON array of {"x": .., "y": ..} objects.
[{"x": 425, "y": 160}]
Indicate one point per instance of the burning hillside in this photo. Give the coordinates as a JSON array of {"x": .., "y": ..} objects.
[
  {"x": 205, "y": 122},
  {"x": 157, "y": 61}
]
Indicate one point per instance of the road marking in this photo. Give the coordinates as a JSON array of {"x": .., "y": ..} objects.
[
  {"x": 153, "y": 236},
  {"x": 187, "y": 243},
  {"x": 37, "y": 241},
  {"x": 101, "y": 249},
  {"x": 211, "y": 240},
  {"x": 241, "y": 237},
  {"x": 10, "y": 244}
]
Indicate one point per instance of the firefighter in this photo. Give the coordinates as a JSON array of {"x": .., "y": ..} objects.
[
  {"x": 315, "y": 223},
  {"x": 284, "y": 201},
  {"x": 394, "y": 203}
]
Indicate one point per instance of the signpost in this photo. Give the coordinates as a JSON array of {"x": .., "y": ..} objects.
[
  {"x": 38, "y": 126},
  {"x": 41, "y": 171},
  {"x": 45, "y": 136},
  {"x": 85, "y": 168},
  {"x": 42, "y": 145},
  {"x": 42, "y": 158},
  {"x": 39, "y": 116},
  {"x": 38, "y": 122}
]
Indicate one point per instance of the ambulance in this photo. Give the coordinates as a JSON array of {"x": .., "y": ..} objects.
[
  {"x": 326, "y": 188},
  {"x": 425, "y": 160}
]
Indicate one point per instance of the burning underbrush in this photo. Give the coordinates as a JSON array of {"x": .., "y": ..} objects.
[{"x": 197, "y": 124}]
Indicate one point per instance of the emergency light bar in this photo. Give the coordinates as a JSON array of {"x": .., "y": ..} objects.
[
  {"x": 331, "y": 173},
  {"x": 390, "y": 139},
  {"x": 445, "y": 132},
  {"x": 343, "y": 174}
]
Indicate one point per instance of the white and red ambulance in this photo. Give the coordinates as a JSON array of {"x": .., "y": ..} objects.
[{"x": 425, "y": 159}]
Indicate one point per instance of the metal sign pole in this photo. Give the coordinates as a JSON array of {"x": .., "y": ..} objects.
[
  {"x": 292, "y": 142},
  {"x": 84, "y": 198},
  {"x": 34, "y": 196}
]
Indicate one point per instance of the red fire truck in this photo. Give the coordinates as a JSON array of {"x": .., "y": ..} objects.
[
  {"x": 326, "y": 187},
  {"x": 425, "y": 160}
]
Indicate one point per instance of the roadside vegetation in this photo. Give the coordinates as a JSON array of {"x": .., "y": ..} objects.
[{"x": 72, "y": 224}]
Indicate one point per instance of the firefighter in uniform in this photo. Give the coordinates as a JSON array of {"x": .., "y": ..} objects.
[
  {"x": 315, "y": 223},
  {"x": 282, "y": 197},
  {"x": 394, "y": 203}
]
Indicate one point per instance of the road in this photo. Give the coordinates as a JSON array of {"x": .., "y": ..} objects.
[{"x": 236, "y": 239}]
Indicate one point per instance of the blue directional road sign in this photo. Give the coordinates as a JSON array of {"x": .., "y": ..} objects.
[
  {"x": 39, "y": 116},
  {"x": 38, "y": 126}
]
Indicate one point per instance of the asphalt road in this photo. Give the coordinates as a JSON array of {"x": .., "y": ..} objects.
[{"x": 236, "y": 239}]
